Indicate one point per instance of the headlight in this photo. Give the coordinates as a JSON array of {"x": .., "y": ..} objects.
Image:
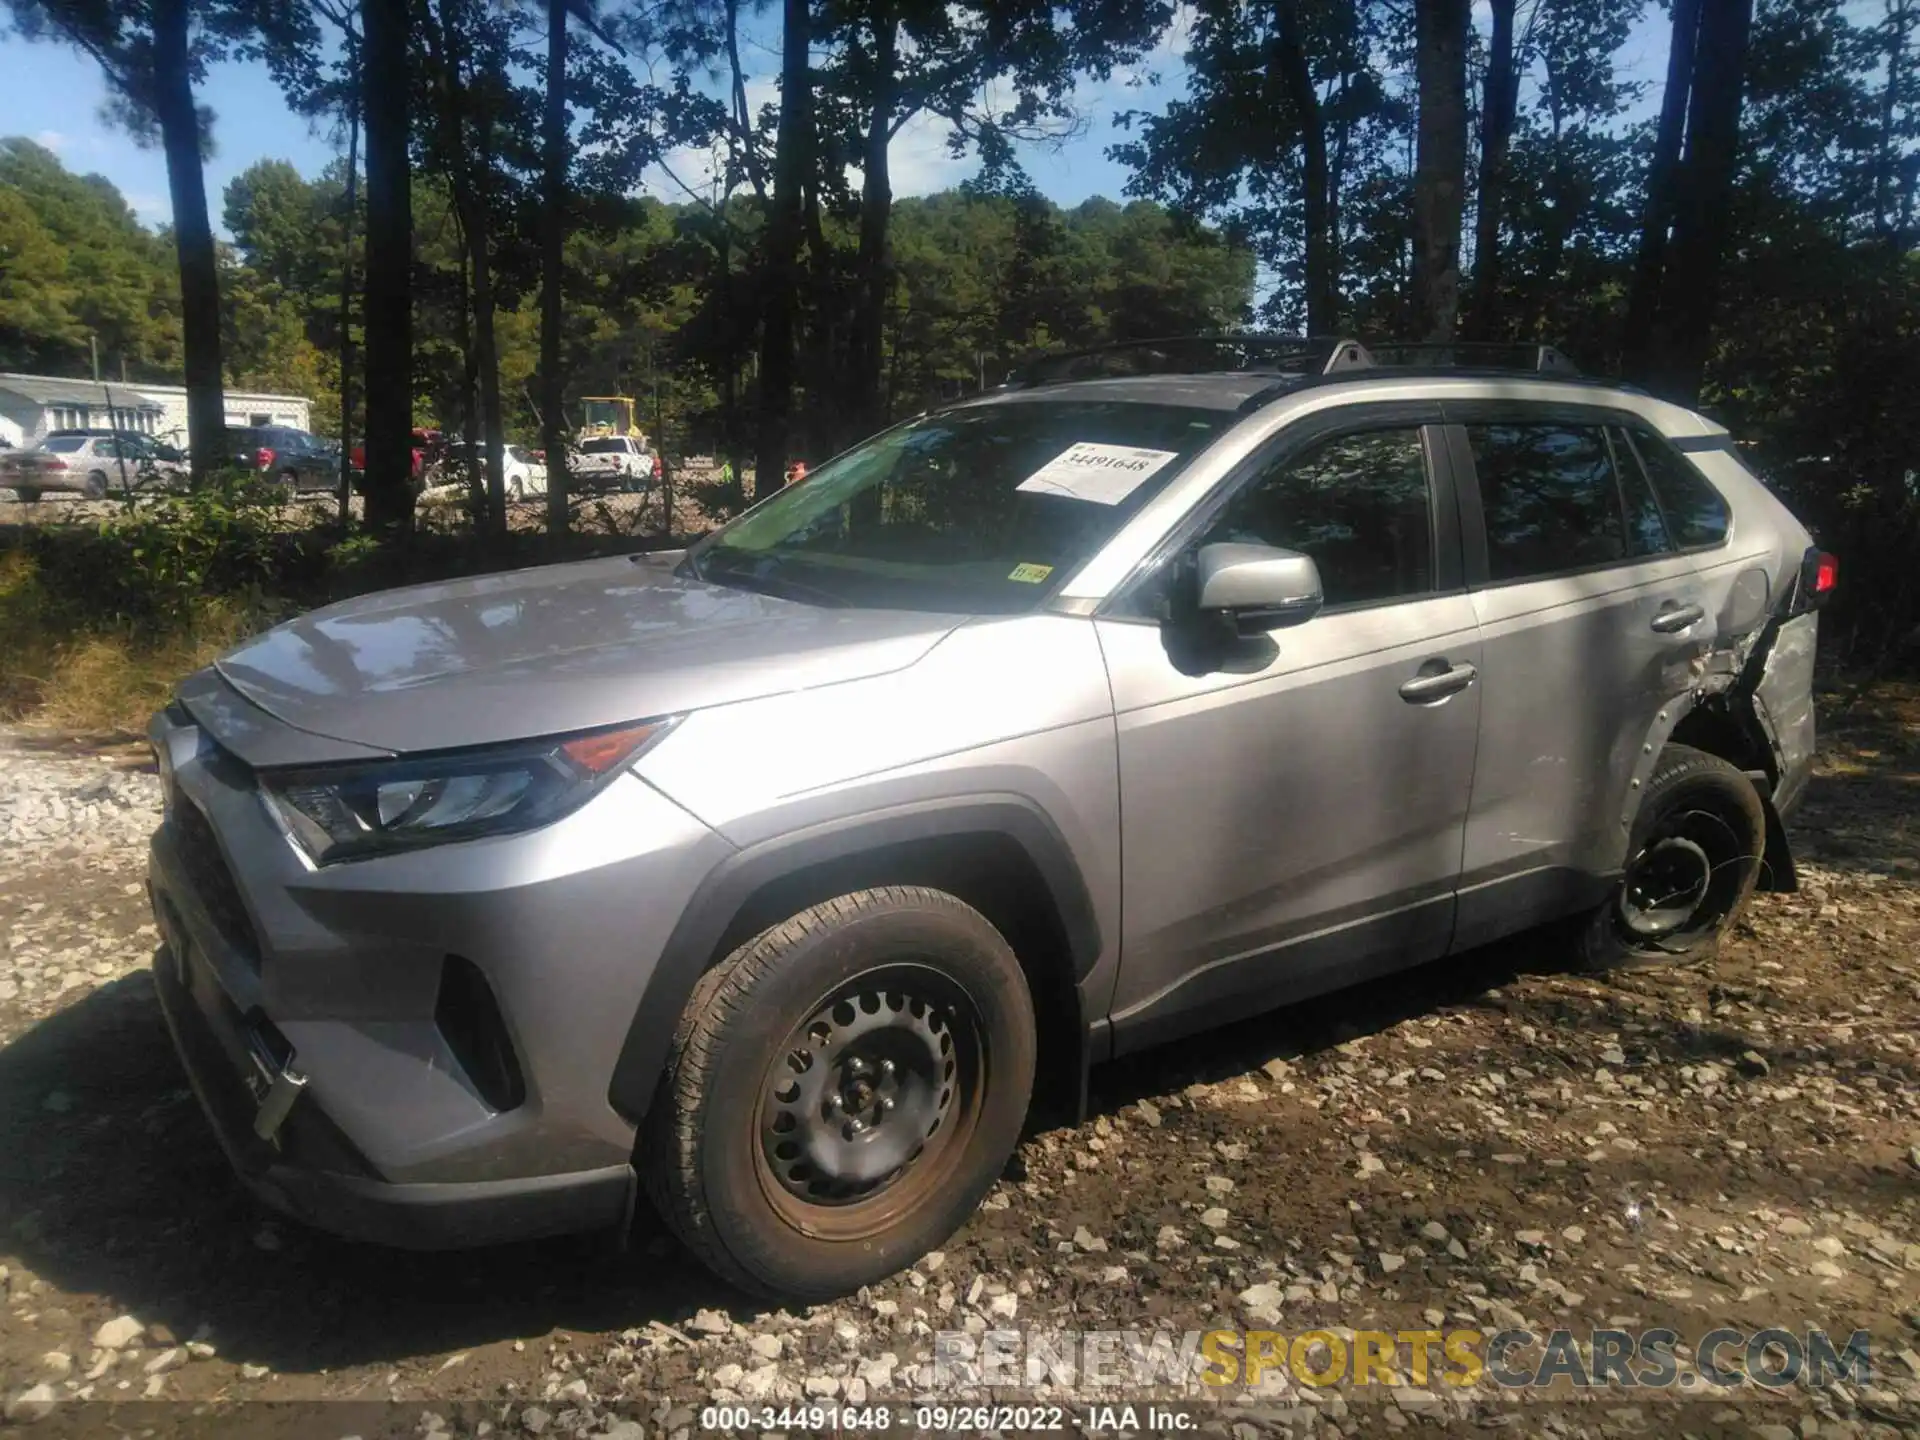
[{"x": 343, "y": 812}]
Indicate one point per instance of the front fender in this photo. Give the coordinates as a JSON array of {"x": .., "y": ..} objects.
[{"x": 711, "y": 918}]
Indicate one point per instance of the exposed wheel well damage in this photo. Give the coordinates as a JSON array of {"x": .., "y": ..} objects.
[{"x": 1715, "y": 725}]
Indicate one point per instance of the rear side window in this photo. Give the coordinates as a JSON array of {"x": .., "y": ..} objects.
[
  {"x": 1646, "y": 526},
  {"x": 1696, "y": 513},
  {"x": 1550, "y": 499},
  {"x": 1358, "y": 504},
  {"x": 66, "y": 445}
]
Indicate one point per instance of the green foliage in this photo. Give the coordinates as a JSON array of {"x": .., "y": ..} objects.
[
  {"x": 148, "y": 568},
  {"x": 74, "y": 261}
]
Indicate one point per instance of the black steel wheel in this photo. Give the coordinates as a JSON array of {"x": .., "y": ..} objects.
[
  {"x": 843, "y": 1090},
  {"x": 866, "y": 1095},
  {"x": 1694, "y": 857}
]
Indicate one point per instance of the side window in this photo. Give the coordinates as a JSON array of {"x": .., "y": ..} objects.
[
  {"x": 1646, "y": 526},
  {"x": 1696, "y": 513},
  {"x": 1549, "y": 496},
  {"x": 1359, "y": 504}
]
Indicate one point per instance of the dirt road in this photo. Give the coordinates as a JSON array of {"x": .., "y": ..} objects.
[{"x": 1489, "y": 1143}]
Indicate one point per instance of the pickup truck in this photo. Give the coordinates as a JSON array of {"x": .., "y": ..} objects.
[{"x": 611, "y": 462}]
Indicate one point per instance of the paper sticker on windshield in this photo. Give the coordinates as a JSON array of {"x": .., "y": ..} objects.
[
  {"x": 1104, "y": 474},
  {"x": 1030, "y": 574}
]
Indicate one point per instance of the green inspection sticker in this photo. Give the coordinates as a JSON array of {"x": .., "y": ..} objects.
[{"x": 1030, "y": 574}]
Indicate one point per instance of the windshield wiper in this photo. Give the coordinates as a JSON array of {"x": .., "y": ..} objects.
[{"x": 778, "y": 586}]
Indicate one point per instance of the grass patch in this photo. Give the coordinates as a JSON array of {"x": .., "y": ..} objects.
[{"x": 58, "y": 671}]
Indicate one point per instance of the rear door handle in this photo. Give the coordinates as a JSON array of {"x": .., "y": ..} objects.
[
  {"x": 1436, "y": 684},
  {"x": 1675, "y": 618}
]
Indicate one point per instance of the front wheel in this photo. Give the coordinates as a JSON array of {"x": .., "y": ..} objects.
[
  {"x": 842, "y": 1092},
  {"x": 1695, "y": 855}
]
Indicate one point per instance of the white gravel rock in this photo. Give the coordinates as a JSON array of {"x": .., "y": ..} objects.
[
  {"x": 49, "y": 801},
  {"x": 118, "y": 1333}
]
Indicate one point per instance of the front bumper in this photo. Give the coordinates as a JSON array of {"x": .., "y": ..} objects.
[
  {"x": 293, "y": 1174},
  {"x": 340, "y": 975}
]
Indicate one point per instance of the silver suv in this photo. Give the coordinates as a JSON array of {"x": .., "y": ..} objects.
[{"x": 1048, "y": 726}]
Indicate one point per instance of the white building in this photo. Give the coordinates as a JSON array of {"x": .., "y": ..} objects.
[
  {"x": 244, "y": 407},
  {"x": 33, "y": 405}
]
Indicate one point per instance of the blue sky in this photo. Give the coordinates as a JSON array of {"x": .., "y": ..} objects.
[{"x": 55, "y": 95}]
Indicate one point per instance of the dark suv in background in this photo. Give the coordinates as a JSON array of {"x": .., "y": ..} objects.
[{"x": 293, "y": 458}]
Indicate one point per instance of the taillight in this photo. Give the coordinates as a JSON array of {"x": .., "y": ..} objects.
[
  {"x": 1819, "y": 577},
  {"x": 56, "y": 464},
  {"x": 263, "y": 457}
]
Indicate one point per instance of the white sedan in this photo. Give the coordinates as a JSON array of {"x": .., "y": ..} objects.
[{"x": 525, "y": 476}]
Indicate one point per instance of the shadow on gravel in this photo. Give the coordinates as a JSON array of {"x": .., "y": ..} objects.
[
  {"x": 118, "y": 1189},
  {"x": 1329, "y": 1020}
]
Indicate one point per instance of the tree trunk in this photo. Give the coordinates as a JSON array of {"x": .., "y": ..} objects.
[
  {"x": 1700, "y": 218},
  {"x": 487, "y": 352},
  {"x": 1296, "y": 78},
  {"x": 1501, "y": 101},
  {"x": 783, "y": 247},
  {"x": 472, "y": 473},
  {"x": 876, "y": 206},
  {"x": 179, "y": 121},
  {"x": 389, "y": 283},
  {"x": 553, "y": 238},
  {"x": 1663, "y": 173},
  {"x": 1440, "y": 166},
  {"x": 346, "y": 290}
]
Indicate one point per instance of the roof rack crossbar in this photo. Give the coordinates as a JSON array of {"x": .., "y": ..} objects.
[
  {"x": 1524, "y": 356},
  {"x": 1302, "y": 357},
  {"x": 1234, "y": 351}
]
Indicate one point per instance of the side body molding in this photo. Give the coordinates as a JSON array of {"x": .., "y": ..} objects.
[{"x": 715, "y": 913}]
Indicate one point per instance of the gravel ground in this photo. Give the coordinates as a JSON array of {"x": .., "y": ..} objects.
[{"x": 1489, "y": 1143}]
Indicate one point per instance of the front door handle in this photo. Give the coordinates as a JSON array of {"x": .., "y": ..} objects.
[
  {"x": 1433, "y": 683},
  {"x": 1674, "y": 618}
]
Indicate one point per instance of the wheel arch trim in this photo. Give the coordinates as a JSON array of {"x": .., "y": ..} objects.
[{"x": 731, "y": 886}]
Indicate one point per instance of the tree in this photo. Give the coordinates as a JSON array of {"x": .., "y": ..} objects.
[
  {"x": 1691, "y": 285},
  {"x": 78, "y": 266},
  {"x": 553, "y": 237},
  {"x": 1285, "y": 102},
  {"x": 1662, "y": 187},
  {"x": 151, "y": 56},
  {"x": 1440, "y": 167},
  {"x": 793, "y": 153},
  {"x": 1499, "y": 105},
  {"x": 389, "y": 260}
]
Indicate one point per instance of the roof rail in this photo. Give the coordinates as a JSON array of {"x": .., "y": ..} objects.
[
  {"x": 1298, "y": 356},
  {"x": 1475, "y": 355},
  {"x": 1250, "y": 351}
]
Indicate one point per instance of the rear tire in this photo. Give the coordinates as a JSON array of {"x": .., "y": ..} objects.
[
  {"x": 1693, "y": 860},
  {"x": 96, "y": 485},
  {"x": 842, "y": 1091},
  {"x": 27, "y": 494}
]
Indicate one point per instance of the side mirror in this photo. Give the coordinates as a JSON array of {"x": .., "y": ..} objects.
[{"x": 1260, "y": 587}]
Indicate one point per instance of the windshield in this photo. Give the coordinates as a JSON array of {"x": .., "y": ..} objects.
[
  {"x": 524, "y": 456},
  {"x": 980, "y": 510}
]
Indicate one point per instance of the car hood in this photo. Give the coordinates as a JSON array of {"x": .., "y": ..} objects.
[{"x": 555, "y": 648}]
